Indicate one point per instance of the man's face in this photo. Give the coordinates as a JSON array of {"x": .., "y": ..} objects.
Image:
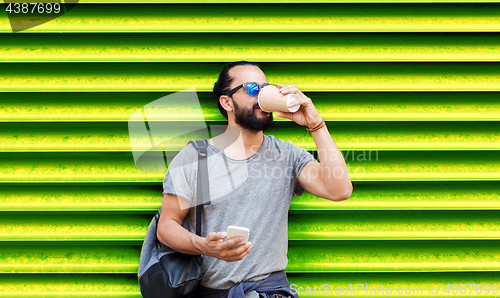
[{"x": 247, "y": 113}]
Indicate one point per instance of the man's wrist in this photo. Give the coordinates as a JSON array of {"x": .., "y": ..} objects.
[
  {"x": 200, "y": 244},
  {"x": 316, "y": 127},
  {"x": 315, "y": 124},
  {"x": 319, "y": 129}
]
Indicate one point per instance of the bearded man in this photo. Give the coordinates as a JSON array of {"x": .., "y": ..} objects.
[{"x": 252, "y": 179}]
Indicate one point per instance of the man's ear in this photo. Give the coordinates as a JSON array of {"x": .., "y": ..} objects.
[{"x": 226, "y": 102}]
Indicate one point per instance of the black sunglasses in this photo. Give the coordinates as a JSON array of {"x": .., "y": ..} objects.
[{"x": 252, "y": 89}]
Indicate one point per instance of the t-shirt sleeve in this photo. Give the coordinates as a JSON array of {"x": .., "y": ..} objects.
[
  {"x": 181, "y": 174},
  {"x": 302, "y": 158}
]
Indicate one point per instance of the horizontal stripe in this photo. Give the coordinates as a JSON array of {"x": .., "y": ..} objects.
[
  {"x": 115, "y": 137},
  {"x": 62, "y": 167},
  {"x": 70, "y": 257},
  {"x": 403, "y": 136},
  {"x": 390, "y": 283},
  {"x": 303, "y": 256},
  {"x": 201, "y": 76},
  {"x": 67, "y": 167},
  {"x": 333, "y": 225},
  {"x": 394, "y": 195},
  {"x": 396, "y": 256},
  {"x": 70, "y": 285},
  {"x": 334, "y": 106},
  {"x": 393, "y": 17},
  {"x": 394, "y": 225},
  {"x": 282, "y": 1},
  {"x": 49, "y": 48},
  {"x": 86, "y": 226},
  {"x": 397, "y": 195},
  {"x": 308, "y": 285},
  {"x": 68, "y": 197}
]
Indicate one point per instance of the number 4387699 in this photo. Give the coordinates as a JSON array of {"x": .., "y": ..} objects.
[{"x": 33, "y": 8}]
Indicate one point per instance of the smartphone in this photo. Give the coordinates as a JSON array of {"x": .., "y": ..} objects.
[{"x": 235, "y": 231}]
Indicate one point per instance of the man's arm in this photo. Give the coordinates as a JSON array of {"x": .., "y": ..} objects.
[
  {"x": 330, "y": 178},
  {"x": 171, "y": 233}
]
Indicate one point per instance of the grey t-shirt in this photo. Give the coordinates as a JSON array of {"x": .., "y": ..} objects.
[{"x": 254, "y": 193}]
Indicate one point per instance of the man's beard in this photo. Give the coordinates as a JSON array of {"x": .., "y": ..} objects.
[{"x": 247, "y": 119}]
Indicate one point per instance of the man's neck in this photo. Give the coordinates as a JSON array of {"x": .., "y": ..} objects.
[
  {"x": 251, "y": 139},
  {"x": 238, "y": 143}
]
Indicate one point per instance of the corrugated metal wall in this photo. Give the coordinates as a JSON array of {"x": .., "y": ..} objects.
[{"x": 409, "y": 90}]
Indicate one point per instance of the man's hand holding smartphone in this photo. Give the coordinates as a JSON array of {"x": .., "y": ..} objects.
[{"x": 228, "y": 250}]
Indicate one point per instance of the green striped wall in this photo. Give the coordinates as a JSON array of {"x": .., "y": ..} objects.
[{"x": 410, "y": 91}]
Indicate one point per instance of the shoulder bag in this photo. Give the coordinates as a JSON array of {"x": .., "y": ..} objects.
[{"x": 163, "y": 272}]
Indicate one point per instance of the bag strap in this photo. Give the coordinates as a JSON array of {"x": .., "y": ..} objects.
[{"x": 202, "y": 189}]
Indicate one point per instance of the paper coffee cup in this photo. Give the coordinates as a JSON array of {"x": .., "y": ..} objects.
[{"x": 271, "y": 100}]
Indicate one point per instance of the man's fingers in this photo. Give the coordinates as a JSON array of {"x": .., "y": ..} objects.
[
  {"x": 240, "y": 252},
  {"x": 284, "y": 115},
  {"x": 248, "y": 249},
  {"x": 233, "y": 241},
  {"x": 225, "y": 248},
  {"x": 216, "y": 236},
  {"x": 243, "y": 250},
  {"x": 299, "y": 101},
  {"x": 291, "y": 89}
]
